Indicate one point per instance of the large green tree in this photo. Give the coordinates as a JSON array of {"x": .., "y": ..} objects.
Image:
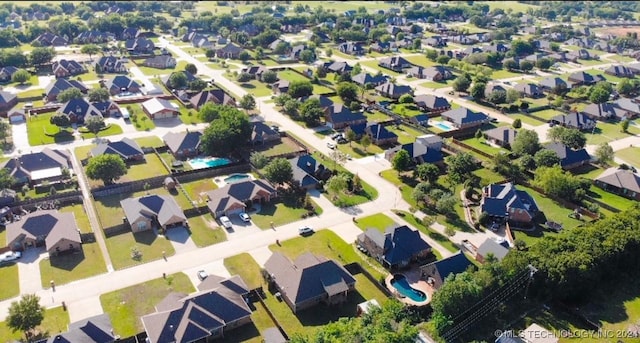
[
  {"x": 106, "y": 167},
  {"x": 178, "y": 80},
  {"x": 90, "y": 49},
  {"x": 98, "y": 95},
  {"x": 560, "y": 184},
  {"x": 401, "y": 161},
  {"x": 60, "y": 120},
  {"x": 21, "y": 76},
  {"x": 477, "y": 91},
  {"x": 460, "y": 166},
  {"x": 279, "y": 171},
  {"x": 347, "y": 91},
  {"x": 300, "y": 88},
  {"x": 427, "y": 172},
  {"x": 226, "y": 133},
  {"x": 604, "y": 153},
  {"x": 248, "y": 102},
  {"x": 546, "y": 158},
  {"x": 94, "y": 124},
  {"x": 25, "y": 314},
  {"x": 68, "y": 94},
  {"x": 41, "y": 55},
  {"x": 599, "y": 94},
  {"x": 461, "y": 84},
  {"x": 311, "y": 112},
  {"x": 526, "y": 142}
]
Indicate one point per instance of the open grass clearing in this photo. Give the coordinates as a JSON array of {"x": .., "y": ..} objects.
[
  {"x": 204, "y": 230},
  {"x": 81, "y": 216},
  {"x": 195, "y": 189},
  {"x": 109, "y": 130},
  {"x": 126, "y": 306},
  {"x": 55, "y": 320},
  {"x": 40, "y": 131},
  {"x": 139, "y": 119},
  {"x": 438, "y": 237},
  {"x": 256, "y": 88},
  {"x": 151, "y": 142},
  {"x": 420, "y": 60},
  {"x": 71, "y": 267},
  {"x": 405, "y": 133},
  {"x": 608, "y": 132},
  {"x": 376, "y": 221},
  {"x": 10, "y": 282},
  {"x": 147, "y": 243},
  {"x": 373, "y": 64},
  {"x": 630, "y": 155},
  {"x": 280, "y": 211},
  {"x": 367, "y": 193}
]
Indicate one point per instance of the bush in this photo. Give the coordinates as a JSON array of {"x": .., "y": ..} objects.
[{"x": 449, "y": 231}]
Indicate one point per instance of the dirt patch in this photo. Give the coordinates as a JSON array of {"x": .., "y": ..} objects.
[{"x": 619, "y": 30}]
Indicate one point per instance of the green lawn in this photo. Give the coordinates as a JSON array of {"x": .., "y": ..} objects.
[
  {"x": 377, "y": 116},
  {"x": 437, "y": 85},
  {"x": 356, "y": 150},
  {"x": 151, "y": 141},
  {"x": 526, "y": 119},
  {"x": 126, "y": 306},
  {"x": 155, "y": 71},
  {"x": 55, "y": 320},
  {"x": 285, "y": 146},
  {"x": 10, "y": 282},
  {"x": 135, "y": 171},
  {"x": 40, "y": 131},
  {"x": 194, "y": 188},
  {"x": 81, "y": 216},
  {"x": 189, "y": 115},
  {"x": 110, "y": 130},
  {"x": 420, "y": 60},
  {"x": 505, "y": 5},
  {"x": 620, "y": 58},
  {"x": 245, "y": 266},
  {"x": 31, "y": 93},
  {"x": 256, "y": 88},
  {"x": 547, "y": 114},
  {"x": 607, "y": 132},
  {"x": 630, "y": 155},
  {"x": 293, "y": 76},
  {"x": 405, "y": 185},
  {"x": 610, "y": 199},
  {"x": 374, "y": 65},
  {"x": 405, "y": 133},
  {"x": 139, "y": 119},
  {"x": 147, "y": 243},
  {"x": 68, "y": 268},
  {"x": 482, "y": 145},
  {"x": 279, "y": 212},
  {"x": 407, "y": 110},
  {"x": 368, "y": 192},
  {"x": 503, "y": 74},
  {"x": 205, "y": 231},
  {"x": 376, "y": 221}
]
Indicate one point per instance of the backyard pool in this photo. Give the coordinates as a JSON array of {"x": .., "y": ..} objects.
[
  {"x": 236, "y": 178},
  {"x": 208, "y": 162},
  {"x": 442, "y": 126},
  {"x": 399, "y": 282}
]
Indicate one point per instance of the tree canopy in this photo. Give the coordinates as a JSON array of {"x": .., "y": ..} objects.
[
  {"x": 248, "y": 102},
  {"x": 401, "y": 161},
  {"x": 25, "y": 314},
  {"x": 300, "y": 88},
  {"x": 21, "y": 76},
  {"x": 460, "y": 166},
  {"x": 526, "y": 142},
  {"x": 106, "y": 167},
  {"x": 68, "y": 94},
  {"x": 279, "y": 170},
  {"x": 227, "y": 132},
  {"x": 98, "y": 95}
]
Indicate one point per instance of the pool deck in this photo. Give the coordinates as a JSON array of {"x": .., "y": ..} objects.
[
  {"x": 413, "y": 277},
  {"x": 219, "y": 180}
]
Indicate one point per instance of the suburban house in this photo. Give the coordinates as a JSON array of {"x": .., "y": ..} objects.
[
  {"x": 464, "y": 118},
  {"x": 255, "y": 71},
  {"x": 108, "y": 108},
  {"x": 396, "y": 248},
  {"x": 553, "y": 83},
  {"x": 395, "y": 63},
  {"x": 33, "y": 168},
  {"x": 90, "y": 330},
  {"x": 238, "y": 196},
  {"x": 378, "y": 133},
  {"x": 580, "y": 78},
  {"x": 216, "y": 96},
  {"x": 338, "y": 116},
  {"x": 309, "y": 280},
  {"x": 493, "y": 87},
  {"x": 54, "y": 88},
  {"x": 49, "y": 39},
  {"x": 502, "y": 136},
  {"x": 56, "y": 231},
  {"x": 436, "y": 272},
  {"x": 493, "y": 248},
  {"x": 620, "y": 181},
  {"x": 110, "y": 64},
  {"x": 7, "y": 72},
  {"x": 157, "y": 108},
  {"x": 433, "y": 73},
  {"x": 352, "y": 48},
  {"x": 432, "y": 103},
  {"x": 200, "y": 316},
  {"x": 146, "y": 212},
  {"x": 139, "y": 46},
  {"x": 569, "y": 158},
  {"x": 262, "y": 133},
  {"x": 7, "y": 102},
  {"x": 79, "y": 110},
  {"x": 506, "y": 202},
  {"x": 126, "y": 148},
  {"x": 122, "y": 84},
  {"x": 337, "y": 67},
  {"x": 381, "y": 47},
  {"x": 393, "y": 91},
  {"x": 230, "y": 50},
  {"x": 604, "y": 111},
  {"x": 66, "y": 68},
  {"x": 631, "y": 107},
  {"x": 530, "y": 90},
  {"x": 307, "y": 172},
  {"x": 88, "y": 37},
  {"x": 426, "y": 149},
  {"x": 365, "y": 78},
  {"x": 160, "y": 62},
  {"x": 619, "y": 71},
  {"x": 280, "y": 86},
  {"x": 324, "y": 101},
  {"x": 183, "y": 144},
  {"x": 574, "y": 121},
  {"x": 130, "y": 33}
]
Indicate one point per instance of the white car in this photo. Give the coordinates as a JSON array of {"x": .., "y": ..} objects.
[
  {"x": 202, "y": 275},
  {"x": 226, "y": 222},
  {"x": 331, "y": 145},
  {"x": 305, "y": 230},
  {"x": 245, "y": 217},
  {"x": 10, "y": 256}
]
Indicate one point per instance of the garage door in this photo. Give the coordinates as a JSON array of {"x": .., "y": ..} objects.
[{"x": 16, "y": 119}]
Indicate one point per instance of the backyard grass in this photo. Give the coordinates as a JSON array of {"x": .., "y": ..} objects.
[
  {"x": 437, "y": 85},
  {"x": 135, "y": 171},
  {"x": 127, "y": 305},
  {"x": 373, "y": 64},
  {"x": 40, "y": 131},
  {"x": 630, "y": 155},
  {"x": 280, "y": 212},
  {"x": 607, "y": 132},
  {"x": 377, "y": 116},
  {"x": 436, "y": 236},
  {"x": 205, "y": 231},
  {"x": 405, "y": 133},
  {"x": 285, "y": 146},
  {"x": 376, "y": 221},
  {"x": 151, "y": 142},
  {"x": 72, "y": 267},
  {"x": 10, "y": 282},
  {"x": 526, "y": 119},
  {"x": 256, "y": 88},
  {"x": 81, "y": 216},
  {"x": 407, "y": 110},
  {"x": 109, "y": 130},
  {"x": 368, "y": 192},
  {"x": 610, "y": 199},
  {"x": 482, "y": 145},
  {"x": 36, "y": 92},
  {"x": 55, "y": 320},
  {"x": 420, "y": 60},
  {"x": 246, "y": 267},
  {"x": 547, "y": 114},
  {"x": 195, "y": 188}
]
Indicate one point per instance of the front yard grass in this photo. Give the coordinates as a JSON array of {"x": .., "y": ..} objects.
[
  {"x": 150, "y": 142},
  {"x": 285, "y": 146},
  {"x": 40, "y": 131},
  {"x": 377, "y": 116},
  {"x": 356, "y": 149},
  {"x": 368, "y": 192},
  {"x": 72, "y": 267},
  {"x": 373, "y": 64},
  {"x": 205, "y": 231},
  {"x": 547, "y": 114},
  {"x": 147, "y": 243},
  {"x": 420, "y": 60},
  {"x": 406, "y": 134},
  {"x": 126, "y": 306},
  {"x": 525, "y": 119},
  {"x": 376, "y": 221},
  {"x": 256, "y": 88},
  {"x": 503, "y": 74},
  {"x": 482, "y": 145},
  {"x": 609, "y": 198},
  {"x": 630, "y": 155},
  {"x": 608, "y": 132},
  {"x": 282, "y": 211},
  {"x": 246, "y": 267},
  {"x": 139, "y": 119},
  {"x": 109, "y": 130},
  {"x": 406, "y": 110},
  {"x": 437, "y": 84},
  {"x": 195, "y": 188},
  {"x": 55, "y": 320},
  {"x": 10, "y": 282}
]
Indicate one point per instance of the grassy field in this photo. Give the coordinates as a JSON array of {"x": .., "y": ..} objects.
[
  {"x": 437, "y": 85},
  {"x": 147, "y": 243},
  {"x": 607, "y": 132},
  {"x": 151, "y": 141},
  {"x": 126, "y": 306},
  {"x": 40, "y": 131},
  {"x": 630, "y": 155},
  {"x": 55, "y": 320},
  {"x": 205, "y": 231},
  {"x": 367, "y": 194},
  {"x": 10, "y": 282},
  {"x": 279, "y": 212},
  {"x": 482, "y": 145},
  {"x": 256, "y": 88},
  {"x": 608, "y": 198},
  {"x": 194, "y": 188},
  {"x": 405, "y": 133},
  {"x": 285, "y": 146},
  {"x": 110, "y": 130},
  {"x": 77, "y": 266},
  {"x": 376, "y": 221},
  {"x": 374, "y": 65},
  {"x": 420, "y": 60},
  {"x": 407, "y": 110},
  {"x": 135, "y": 171},
  {"x": 139, "y": 119}
]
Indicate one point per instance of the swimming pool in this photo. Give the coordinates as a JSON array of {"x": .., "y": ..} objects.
[
  {"x": 200, "y": 163},
  {"x": 399, "y": 282},
  {"x": 236, "y": 177},
  {"x": 443, "y": 126}
]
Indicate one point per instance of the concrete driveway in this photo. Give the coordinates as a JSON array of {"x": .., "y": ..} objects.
[
  {"x": 241, "y": 229},
  {"x": 180, "y": 239},
  {"x": 29, "y": 270},
  {"x": 20, "y": 138},
  {"x": 212, "y": 268}
]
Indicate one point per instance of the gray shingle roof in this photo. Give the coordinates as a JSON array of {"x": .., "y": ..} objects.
[{"x": 163, "y": 206}]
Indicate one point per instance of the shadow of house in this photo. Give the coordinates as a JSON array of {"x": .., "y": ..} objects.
[
  {"x": 236, "y": 197},
  {"x": 396, "y": 248},
  {"x": 309, "y": 280},
  {"x": 203, "y": 315},
  {"x": 436, "y": 272},
  {"x": 57, "y": 231},
  {"x": 184, "y": 144},
  {"x": 143, "y": 213}
]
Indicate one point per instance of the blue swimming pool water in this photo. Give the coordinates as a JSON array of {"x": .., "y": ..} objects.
[
  {"x": 443, "y": 126},
  {"x": 199, "y": 163},
  {"x": 400, "y": 283},
  {"x": 236, "y": 178}
]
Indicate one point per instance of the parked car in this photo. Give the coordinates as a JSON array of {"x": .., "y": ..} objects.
[
  {"x": 342, "y": 140},
  {"x": 226, "y": 222},
  {"x": 202, "y": 275},
  {"x": 305, "y": 230},
  {"x": 244, "y": 217},
  {"x": 336, "y": 136},
  {"x": 331, "y": 145},
  {"x": 10, "y": 256}
]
